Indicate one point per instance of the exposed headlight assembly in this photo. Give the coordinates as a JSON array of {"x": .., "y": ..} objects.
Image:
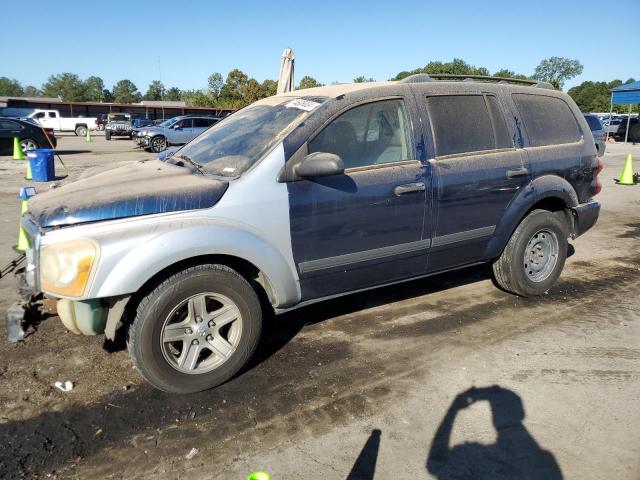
[{"x": 65, "y": 268}]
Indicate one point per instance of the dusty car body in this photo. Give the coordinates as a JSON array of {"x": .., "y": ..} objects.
[{"x": 307, "y": 196}]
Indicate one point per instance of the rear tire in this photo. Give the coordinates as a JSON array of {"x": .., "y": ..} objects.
[
  {"x": 196, "y": 329},
  {"x": 534, "y": 256},
  {"x": 634, "y": 133},
  {"x": 107, "y": 135},
  {"x": 81, "y": 131},
  {"x": 28, "y": 144}
]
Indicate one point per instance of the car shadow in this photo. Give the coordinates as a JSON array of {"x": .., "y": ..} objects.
[
  {"x": 71, "y": 152},
  {"x": 281, "y": 329}
]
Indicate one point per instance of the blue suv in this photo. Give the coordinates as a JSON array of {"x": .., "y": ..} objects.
[{"x": 311, "y": 195}]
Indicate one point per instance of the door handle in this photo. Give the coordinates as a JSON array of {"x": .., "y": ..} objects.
[
  {"x": 409, "y": 188},
  {"x": 518, "y": 172}
]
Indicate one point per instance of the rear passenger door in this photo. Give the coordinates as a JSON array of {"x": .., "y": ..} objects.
[
  {"x": 477, "y": 171},
  {"x": 199, "y": 126},
  {"x": 554, "y": 139}
]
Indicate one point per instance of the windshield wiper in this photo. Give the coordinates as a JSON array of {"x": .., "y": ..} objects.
[{"x": 185, "y": 157}]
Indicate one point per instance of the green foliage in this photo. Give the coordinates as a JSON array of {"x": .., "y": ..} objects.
[
  {"x": 596, "y": 96},
  {"x": 307, "y": 82},
  {"x": 155, "y": 91},
  {"x": 504, "y": 73},
  {"x": 214, "y": 85},
  {"x": 107, "y": 96},
  {"x": 10, "y": 87},
  {"x": 556, "y": 70},
  {"x": 455, "y": 67},
  {"x": 67, "y": 86},
  {"x": 269, "y": 87},
  {"x": 363, "y": 79},
  {"x": 93, "y": 88},
  {"x": 196, "y": 98},
  {"x": 125, "y": 91},
  {"x": 31, "y": 91},
  {"x": 173, "y": 94}
]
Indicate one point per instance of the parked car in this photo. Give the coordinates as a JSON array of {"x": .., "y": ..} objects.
[
  {"x": 597, "y": 130},
  {"x": 139, "y": 133},
  {"x": 30, "y": 134},
  {"x": 634, "y": 130},
  {"x": 53, "y": 119},
  {"x": 180, "y": 131},
  {"x": 101, "y": 121},
  {"x": 118, "y": 125},
  {"x": 611, "y": 125},
  {"x": 311, "y": 195}
]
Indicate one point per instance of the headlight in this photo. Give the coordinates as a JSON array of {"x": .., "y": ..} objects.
[{"x": 65, "y": 268}]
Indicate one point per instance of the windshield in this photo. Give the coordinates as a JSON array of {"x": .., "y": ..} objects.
[
  {"x": 168, "y": 122},
  {"x": 234, "y": 144}
]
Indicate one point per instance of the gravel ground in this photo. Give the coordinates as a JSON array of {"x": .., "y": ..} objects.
[{"x": 372, "y": 384}]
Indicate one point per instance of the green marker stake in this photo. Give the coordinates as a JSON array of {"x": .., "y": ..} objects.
[{"x": 259, "y": 476}]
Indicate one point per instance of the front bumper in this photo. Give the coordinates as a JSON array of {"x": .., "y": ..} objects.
[{"x": 585, "y": 216}]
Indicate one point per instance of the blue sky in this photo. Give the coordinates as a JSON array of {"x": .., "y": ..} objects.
[{"x": 332, "y": 40}]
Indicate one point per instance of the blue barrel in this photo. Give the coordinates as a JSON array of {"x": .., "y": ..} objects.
[{"x": 42, "y": 166}]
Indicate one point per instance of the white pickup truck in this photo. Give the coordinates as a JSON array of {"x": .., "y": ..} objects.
[{"x": 52, "y": 119}]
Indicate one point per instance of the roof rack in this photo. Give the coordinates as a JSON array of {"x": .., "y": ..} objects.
[{"x": 431, "y": 77}]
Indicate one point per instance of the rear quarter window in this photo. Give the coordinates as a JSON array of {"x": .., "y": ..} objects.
[
  {"x": 547, "y": 120},
  {"x": 594, "y": 123}
]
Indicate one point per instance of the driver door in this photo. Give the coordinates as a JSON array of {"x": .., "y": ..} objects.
[
  {"x": 364, "y": 227},
  {"x": 181, "y": 132}
]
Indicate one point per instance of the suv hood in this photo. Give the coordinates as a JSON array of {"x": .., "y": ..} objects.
[{"x": 142, "y": 188}]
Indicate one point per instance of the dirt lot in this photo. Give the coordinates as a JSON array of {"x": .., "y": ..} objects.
[{"x": 363, "y": 384}]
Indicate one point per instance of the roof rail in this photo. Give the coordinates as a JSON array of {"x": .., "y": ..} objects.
[{"x": 430, "y": 77}]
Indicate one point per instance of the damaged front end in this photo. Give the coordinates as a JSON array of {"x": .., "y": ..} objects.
[{"x": 26, "y": 311}]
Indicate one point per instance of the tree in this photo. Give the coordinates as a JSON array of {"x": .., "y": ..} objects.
[
  {"x": 504, "y": 73},
  {"x": 67, "y": 86},
  {"x": 231, "y": 92},
  {"x": 10, "y": 87},
  {"x": 93, "y": 87},
  {"x": 125, "y": 91},
  {"x": 196, "y": 98},
  {"x": 455, "y": 67},
  {"x": 307, "y": 82},
  {"x": 596, "y": 96},
  {"x": 107, "y": 96},
  {"x": 363, "y": 79},
  {"x": 155, "y": 91},
  {"x": 251, "y": 91},
  {"x": 173, "y": 94},
  {"x": 270, "y": 87},
  {"x": 214, "y": 85},
  {"x": 31, "y": 91},
  {"x": 556, "y": 70}
]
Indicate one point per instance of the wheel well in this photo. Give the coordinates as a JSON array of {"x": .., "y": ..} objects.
[
  {"x": 554, "y": 204},
  {"x": 246, "y": 269}
]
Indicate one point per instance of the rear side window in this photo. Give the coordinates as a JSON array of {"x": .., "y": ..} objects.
[
  {"x": 467, "y": 123},
  {"x": 202, "y": 122},
  {"x": 594, "y": 123},
  {"x": 9, "y": 125},
  {"x": 547, "y": 120}
]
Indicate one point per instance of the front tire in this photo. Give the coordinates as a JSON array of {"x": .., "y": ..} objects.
[
  {"x": 196, "y": 329},
  {"x": 107, "y": 135},
  {"x": 158, "y": 144},
  {"x": 534, "y": 257}
]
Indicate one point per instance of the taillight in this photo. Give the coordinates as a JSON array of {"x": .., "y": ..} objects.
[
  {"x": 49, "y": 132},
  {"x": 596, "y": 185}
]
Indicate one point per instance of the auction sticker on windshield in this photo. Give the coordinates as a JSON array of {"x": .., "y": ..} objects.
[{"x": 307, "y": 105}]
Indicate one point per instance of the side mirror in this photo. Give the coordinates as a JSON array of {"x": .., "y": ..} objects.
[
  {"x": 177, "y": 126},
  {"x": 319, "y": 164}
]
